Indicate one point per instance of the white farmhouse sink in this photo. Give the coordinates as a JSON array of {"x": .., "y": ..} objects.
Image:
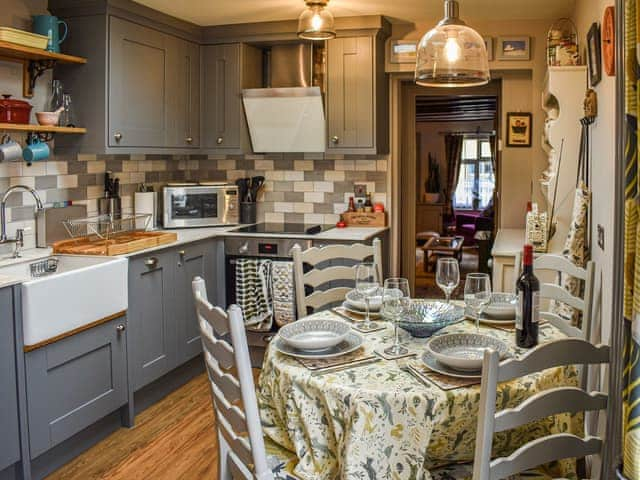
[{"x": 82, "y": 290}]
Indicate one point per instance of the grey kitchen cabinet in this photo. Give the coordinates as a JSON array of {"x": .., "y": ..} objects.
[
  {"x": 152, "y": 326},
  {"x": 9, "y": 424},
  {"x": 163, "y": 328},
  {"x": 184, "y": 94},
  {"x": 75, "y": 382},
  {"x": 356, "y": 96},
  {"x": 227, "y": 69}
]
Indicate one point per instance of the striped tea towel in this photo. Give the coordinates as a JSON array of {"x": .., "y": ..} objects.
[
  {"x": 253, "y": 292},
  {"x": 284, "y": 310}
]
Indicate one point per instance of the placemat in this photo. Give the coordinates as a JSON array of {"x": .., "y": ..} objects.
[
  {"x": 387, "y": 356},
  {"x": 444, "y": 382},
  {"x": 360, "y": 356},
  {"x": 357, "y": 320}
]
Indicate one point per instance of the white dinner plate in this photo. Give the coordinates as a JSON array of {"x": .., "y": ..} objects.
[
  {"x": 355, "y": 300},
  {"x": 352, "y": 342},
  {"x": 433, "y": 365},
  {"x": 362, "y": 313}
]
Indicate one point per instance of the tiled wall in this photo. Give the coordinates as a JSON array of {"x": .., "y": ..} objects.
[{"x": 299, "y": 188}]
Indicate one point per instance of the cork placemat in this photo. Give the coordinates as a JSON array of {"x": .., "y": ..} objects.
[
  {"x": 357, "y": 321},
  {"x": 444, "y": 382}
]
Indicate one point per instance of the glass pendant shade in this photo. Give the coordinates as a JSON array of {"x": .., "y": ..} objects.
[
  {"x": 316, "y": 22},
  {"x": 452, "y": 54}
]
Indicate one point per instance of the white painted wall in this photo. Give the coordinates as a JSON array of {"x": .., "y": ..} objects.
[{"x": 603, "y": 158}]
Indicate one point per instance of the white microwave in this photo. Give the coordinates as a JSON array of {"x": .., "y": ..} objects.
[{"x": 200, "y": 206}]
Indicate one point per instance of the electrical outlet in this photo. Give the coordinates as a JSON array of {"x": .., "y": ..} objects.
[{"x": 601, "y": 237}]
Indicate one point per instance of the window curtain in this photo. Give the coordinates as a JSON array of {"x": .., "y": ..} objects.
[
  {"x": 453, "y": 153},
  {"x": 631, "y": 376}
]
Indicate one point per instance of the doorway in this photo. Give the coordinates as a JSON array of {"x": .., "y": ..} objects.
[{"x": 449, "y": 179}]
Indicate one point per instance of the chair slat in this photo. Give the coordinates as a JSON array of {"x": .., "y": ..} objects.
[
  {"x": 232, "y": 414},
  {"x": 237, "y": 472},
  {"x": 228, "y": 384},
  {"x": 238, "y": 445},
  {"x": 550, "y": 402},
  {"x": 319, "y": 299},
  {"x": 560, "y": 264},
  {"x": 563, "y": 325},
  {"x": 544, "y": 450},
  {"x": 555, "y": 292},
  {"x": 356, "y": 252},
  {"x": 318, "y": 277},
  {"x": 572, "y": 351},
  {"x": 216, "y": 317},
  {"x": 220, "y": 350}
]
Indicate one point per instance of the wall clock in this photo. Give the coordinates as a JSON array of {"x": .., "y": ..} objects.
[{"x": 609, "y": 41}]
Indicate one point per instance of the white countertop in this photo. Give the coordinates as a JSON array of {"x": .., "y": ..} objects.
[
  {"x": 28, "y": 255},
  {"x": 509, "y": 241}
]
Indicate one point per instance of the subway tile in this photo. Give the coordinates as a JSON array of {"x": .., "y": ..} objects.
[
  {"x": 303, "y": 207},
  {"x": 26, "y": 181},
  {"x": 36, "y": 169},
  {"x": 366, "y": 165},
  {"x": 84, "y": 157},
  {"x": 233, "y": 175},
  {"x": 345, "y": 165},
  {"x": 274, "y": 175},
  {"x": 137, "y": 177},
  {"x": 293, "y": 197},
  {"x": 303, "y": 186},
  {"x": 324, "y": 164},
  {"x": 98, "y": 166},
  {"x": 274, "y": 196},
  {"x": 303, "y": 165},
  {"x": 130, "y": 166},
  {"x": 313, "y": 218},
  {"x": 67, "y": 181},
  {"x": 55, "y": 167},
  {"x": 314, "y": 197},
  {"x": 322, "y": 208},
  {"x": 331, "y": 219},
  {"x": 11, "y": 169},
  {"x": 293, "y": 176},
  {"x": 339, "y": 208},
  {"x": 87, "y": 179},
  {"x": 47, "y": 181},
  {"x": 193, "y": 164},
  {"x": 382, "y": 165},
  {"x": 283, "y": 164},
  {"x": 313, "y": 176},
  {"x": 323, "y": 186},
  {"x": 284, "y": 186},
  {"x": 263, "y": 164},
  {"x": 294, "y": 217},
  {"x": 379, "y": 198},
  {"x": 95, "y": 191},
  {"x": 77, "y": 167},
  {"x": 157, "y": 165},
  {"x": 283, "y": 207},
  {"x": 334, "y": 176},
  {"x": 273, "y": 217},
  {"x": 115, "y": 164}
]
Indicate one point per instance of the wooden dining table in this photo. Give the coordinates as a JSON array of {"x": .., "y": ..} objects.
[{"x": 378, "y": 421}]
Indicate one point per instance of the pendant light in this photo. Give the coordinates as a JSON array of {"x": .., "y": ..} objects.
[
  {"x": 316, "y": 22},
  {"x": 452, "y": 54}
]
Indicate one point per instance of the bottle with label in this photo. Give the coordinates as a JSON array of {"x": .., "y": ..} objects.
[
  {"x": 352, "y": 205},
  {"x": 528, "y": 310},
  {"x": 368, "y": 205}
]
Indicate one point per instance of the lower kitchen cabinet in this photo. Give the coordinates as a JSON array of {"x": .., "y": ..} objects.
[
  {"x": 10, "y": 438},
  {"x": 75, "y": 382},
  {"x": 164, "y": 331}
]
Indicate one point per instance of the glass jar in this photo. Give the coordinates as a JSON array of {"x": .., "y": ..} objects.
[{"x": 67, "y": 117}]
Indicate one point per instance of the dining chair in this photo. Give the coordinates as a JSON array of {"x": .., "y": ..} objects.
[
  {"x": 561, "y": 265},
  {"x": 573, "y": 400},
  {"x": 242, "y": 447},
  {"x": 318, "y": 270}
]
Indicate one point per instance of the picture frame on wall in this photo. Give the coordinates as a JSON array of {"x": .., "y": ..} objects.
[
  {"x": 594, "y": 55},
  {"x": 514, "y": 48},
  {"x": 519, "y": 133},
  {"x": 488, "y": 42}
]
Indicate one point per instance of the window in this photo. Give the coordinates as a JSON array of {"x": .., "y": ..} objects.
[{"x": 476, "y": 182}]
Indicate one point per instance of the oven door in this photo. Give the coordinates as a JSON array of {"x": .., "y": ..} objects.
[{"x": 194, "y": 207}]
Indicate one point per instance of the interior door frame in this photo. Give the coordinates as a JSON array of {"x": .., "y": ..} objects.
[{"x": 403, "y": 186}]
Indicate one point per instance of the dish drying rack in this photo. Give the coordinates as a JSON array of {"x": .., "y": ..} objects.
[{"x": 106, "y": 227}]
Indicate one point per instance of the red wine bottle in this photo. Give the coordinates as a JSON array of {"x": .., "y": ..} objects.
[{"x": 528, "y": 310}]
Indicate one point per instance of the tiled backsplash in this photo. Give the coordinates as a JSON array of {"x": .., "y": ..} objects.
[{"x": 299, "y": 188}]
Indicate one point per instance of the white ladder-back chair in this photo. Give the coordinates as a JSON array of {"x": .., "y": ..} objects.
[
  {"x": 242, "y": 453},
  {"x": 572, "y": 351},
  {"x": 560, "y": 265},
  {"x": 318, "y": 277}
]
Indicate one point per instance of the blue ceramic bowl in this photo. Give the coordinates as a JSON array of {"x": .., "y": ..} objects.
[{"x": 426, "y": 317}]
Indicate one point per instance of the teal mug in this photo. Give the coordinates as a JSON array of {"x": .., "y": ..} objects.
[
  {"x": 49, "y": 26},
  {"x": 35, "y": 150}
]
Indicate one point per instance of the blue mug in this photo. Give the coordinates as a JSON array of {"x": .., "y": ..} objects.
[
  {"x": 35, "y": 151},
  {"x": 49, "y": 26}
]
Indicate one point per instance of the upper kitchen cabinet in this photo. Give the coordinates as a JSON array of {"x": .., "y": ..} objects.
[
  {"x": 227, "y": 69},
  {"x": 357, "y": 96},
  {"x": 184, "y": 91}
]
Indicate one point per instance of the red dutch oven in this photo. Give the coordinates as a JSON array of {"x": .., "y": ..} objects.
[{"x": 14, "y": 111}]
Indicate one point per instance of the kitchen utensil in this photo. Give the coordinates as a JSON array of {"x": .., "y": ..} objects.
[
  {"x": 426, "y": 317},
  {"x": 14, "y": 111},
  {"x": 10, "y": 150},
  {"x": 35, "y": 150},
  {"x": 49, "y": 26},
  {"x": 348, "y": 366},
  {"x": 116, "y": 187},
  {"x": 434, "y": 365},
  {"x": 464, "y": 351},
  {"x": 351, "y": 343},
  {"x": 355, "y": 300},
  {"x": 248, "y": 212},
  {"x": 502, "y": 306},
  {"x": 110, "y": 206},
  {"x": 314, "y": 334},
  {"x": 20, "y": 37},
  {"x": 49, "y": 118},
  {"x": 256, "y": 186},
  {"x": 242, "y": 191}
]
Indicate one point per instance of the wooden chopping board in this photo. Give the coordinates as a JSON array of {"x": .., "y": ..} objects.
[{"x": 120, "y": 245}]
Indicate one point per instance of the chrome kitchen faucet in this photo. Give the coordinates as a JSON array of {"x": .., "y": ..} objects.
[{"x": 19, "y": 240}]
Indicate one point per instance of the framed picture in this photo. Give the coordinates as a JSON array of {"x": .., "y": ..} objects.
[
  {"x": 514, "y": 48},
  {"x": 402, "y": 51},
  {"x": 519, "y": 129},
  {"x": 594, "y": 54},
  {"x": 488, "y": 42}
]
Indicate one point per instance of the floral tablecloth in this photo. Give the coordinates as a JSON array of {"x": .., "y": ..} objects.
[{"x": 378, "y": 422}]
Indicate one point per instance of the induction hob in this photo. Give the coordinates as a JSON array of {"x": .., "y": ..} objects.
[{"x": 284, "y": 228}]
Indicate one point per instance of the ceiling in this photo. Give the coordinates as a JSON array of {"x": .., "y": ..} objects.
[{"x": 222, "y": 12}]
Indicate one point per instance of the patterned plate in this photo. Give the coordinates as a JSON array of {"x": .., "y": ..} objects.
[
  {"x": 352, "y": 342},
  {"x": 315, "y": 333},
  {"x": 502, "y": 306},
  {"x": 349, "y": 308},
  {"x": 355, "y": 300},
  {"x": 464, "y": 351},
  {"x": 433, "y": 364}
]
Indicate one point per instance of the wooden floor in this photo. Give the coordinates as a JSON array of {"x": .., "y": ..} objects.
[{"x": 174, "y": 439}]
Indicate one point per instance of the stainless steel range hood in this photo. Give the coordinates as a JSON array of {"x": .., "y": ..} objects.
[{"x": 288, "y": 116}]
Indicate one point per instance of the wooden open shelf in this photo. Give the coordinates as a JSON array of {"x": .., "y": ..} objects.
[
  {"x": 19, "y": 127},
  {"x": 19, "y": 52}
]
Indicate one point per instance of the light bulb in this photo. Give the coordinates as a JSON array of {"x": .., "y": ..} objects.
[
  {"x": 452, "y": 50},
  {"x": 316, "y": 21}
]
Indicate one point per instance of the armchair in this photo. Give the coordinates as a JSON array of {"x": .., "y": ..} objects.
[{"x": 467, "y": 224}]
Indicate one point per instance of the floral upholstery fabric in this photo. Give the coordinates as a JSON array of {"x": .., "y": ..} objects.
[{"x": 377, "y": 422}]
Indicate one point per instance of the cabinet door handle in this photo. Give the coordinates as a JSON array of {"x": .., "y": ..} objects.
[
  {"x": 151, "y": 262},
  {"x": 118, "y": 136},
  {"x": 181, "y": 254},
  {"x": 219, "y": 140},
  {"x": 189, "y": 139},
  {"x": 335, "y": 139},
  {"x": 121, "y": 328}
]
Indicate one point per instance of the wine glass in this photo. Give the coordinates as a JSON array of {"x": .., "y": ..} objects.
[
  {"x": 367, "y": 284},
  {"x": 477, "y": 294},
  {"x": 448, "y": 275},
  {"x": 396, "y": 300}
]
